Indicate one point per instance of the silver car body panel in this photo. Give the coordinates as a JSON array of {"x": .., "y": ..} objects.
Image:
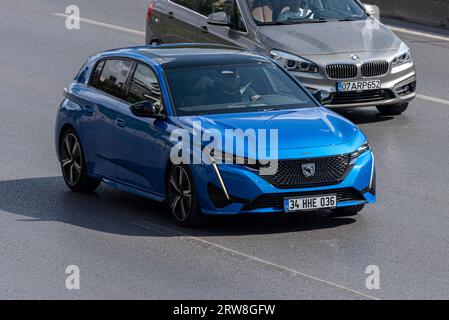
[{"x": 322, "y": 43}]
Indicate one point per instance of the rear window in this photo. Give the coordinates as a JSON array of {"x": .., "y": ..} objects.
[{"x": 111, "y": 76}]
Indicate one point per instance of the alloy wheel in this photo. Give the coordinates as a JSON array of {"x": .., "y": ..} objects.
[
  {"x": 71, "y": 159},
  {"x": 180, "y": 193}
]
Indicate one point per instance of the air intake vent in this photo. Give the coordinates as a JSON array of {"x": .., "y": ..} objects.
[
  {"x": 328, "y": 171},
  {"x": 341, "y": 71},
  {"x": 374, "y": 69}
]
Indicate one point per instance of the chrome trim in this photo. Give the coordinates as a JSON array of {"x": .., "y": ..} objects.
[
  {"x": 370, "y": 64},
  {"x": 372, "y": 171},
  {"x": 220, "y": 180},
  {"x": 341, "y": 70}
]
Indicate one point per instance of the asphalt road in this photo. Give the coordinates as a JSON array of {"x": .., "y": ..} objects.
[{"x": 128, "y": 247}]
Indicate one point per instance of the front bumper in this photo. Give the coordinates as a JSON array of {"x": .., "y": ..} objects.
[
  {"x": 251, "y": 194},
  {"x": 398, "y": 87}
]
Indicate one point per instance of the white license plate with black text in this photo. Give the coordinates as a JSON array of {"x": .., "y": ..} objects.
[
  {"x": 310, "y": 203},
  {"x": 358, "y": 85}
]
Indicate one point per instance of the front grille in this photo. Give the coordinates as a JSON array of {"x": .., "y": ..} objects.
[
  {"x": 328, "y": 171},
  {"x": 341, "y": 71},
  {"x": 276, "y": 200},
  {"x": 361, "y": 97},
  {"x": 374, "y": 69}
]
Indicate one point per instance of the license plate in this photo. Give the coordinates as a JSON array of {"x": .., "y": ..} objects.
[
  {"x": 358, "y": 85},
  {"x": 310, "y": 203}
]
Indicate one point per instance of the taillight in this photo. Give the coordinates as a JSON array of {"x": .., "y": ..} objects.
[{"x": 150, "y": 11}]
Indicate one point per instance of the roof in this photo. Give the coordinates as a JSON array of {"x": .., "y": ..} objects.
[{"x": 174, "y": 56}]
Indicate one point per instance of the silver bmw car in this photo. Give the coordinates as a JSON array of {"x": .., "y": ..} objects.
[{"x": 338, "y": 46}]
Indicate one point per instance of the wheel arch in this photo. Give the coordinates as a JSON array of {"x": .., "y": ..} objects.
[{"x": 168, "y": 166}]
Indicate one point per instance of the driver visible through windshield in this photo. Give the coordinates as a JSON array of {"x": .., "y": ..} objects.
[
  {"x": 269, "y": 12},
  {"x": 233, "y": 89}
]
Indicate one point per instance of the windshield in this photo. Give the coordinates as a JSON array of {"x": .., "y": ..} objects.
[
  {"x": 234, "y": 89},
  {"x": 269, "y": 12}
]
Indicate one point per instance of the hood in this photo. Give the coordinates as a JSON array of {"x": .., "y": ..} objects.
[
  {"x": 299, "y": 128},
  {"x": 330, "y": 37}
]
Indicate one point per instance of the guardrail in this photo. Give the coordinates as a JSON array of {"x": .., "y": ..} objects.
[{"x": 428, "y": 12}]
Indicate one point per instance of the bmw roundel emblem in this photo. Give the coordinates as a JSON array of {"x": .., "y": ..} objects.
[{"x": 355, "y": 57}]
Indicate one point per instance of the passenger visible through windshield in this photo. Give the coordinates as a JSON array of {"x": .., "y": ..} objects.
[{"x": 269, "y": 12}]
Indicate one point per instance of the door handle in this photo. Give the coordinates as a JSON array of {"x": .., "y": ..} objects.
[
  {"x": 88, "y": 109},
  {"x": 170, "y": 15},
  {"x": 120, "y": 122},
  {"x": 204, "y": 29}
]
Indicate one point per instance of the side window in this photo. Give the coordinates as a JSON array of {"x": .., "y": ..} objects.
[
  {"x": 97, "y": 74},
  {"x": 145, "y": 86},
  {"x": 189, "y": 4},
  {"x": 230, "y": 7},
  {"x": 113, "y": 77}
]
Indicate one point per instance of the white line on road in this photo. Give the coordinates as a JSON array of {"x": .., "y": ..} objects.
[
  {"x": 418, "y": 33},
  {"x": 167, "y": 231},
  {"x": 432, "y": 99},
  {"x": 105, "y": 25},
  {"x": 141, "y": 33}
]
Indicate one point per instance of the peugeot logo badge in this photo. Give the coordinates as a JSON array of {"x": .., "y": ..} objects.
[
  {"x": 355, "y": 57},
  {"x": 308, "y": 169}
]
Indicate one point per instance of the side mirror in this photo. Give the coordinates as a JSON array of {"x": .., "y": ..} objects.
[
  {"x": 146, "y": 109},
  {"x": 323, "y": 96},
  {"x": 218, "y": 19},
  {"x": 372, "y": 10}
]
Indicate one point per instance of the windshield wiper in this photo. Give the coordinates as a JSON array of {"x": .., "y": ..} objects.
[
  {"x": 291, "y": 21},
  {"x": 309, "y": 21},
  {"x": 275, "y": 23}
]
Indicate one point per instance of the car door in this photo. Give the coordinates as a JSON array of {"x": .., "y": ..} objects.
[
  {"x": 106, "y": 88},
  {"x": 182, "y": 21},
  {"x": 237, "y": 34},
  {"x": 139, "y": 146}
]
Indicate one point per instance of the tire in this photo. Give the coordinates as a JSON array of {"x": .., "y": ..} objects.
[
  {"x": 347, "y": 211},
  {"x": 73, "y": 164},
  {"x": 392, "y": 110},
  {"x": 182, "y": 198}
]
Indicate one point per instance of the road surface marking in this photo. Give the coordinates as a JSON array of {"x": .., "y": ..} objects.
[
  {"x": 141, "y": 33},
  {"x": 105, "y": 25},
  {"x": 167, "y": 231},
  {"x": 432, "y": 99},
  {"x": 418, "y": 33}
]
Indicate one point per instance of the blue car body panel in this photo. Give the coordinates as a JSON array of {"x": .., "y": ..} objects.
[{"x": 135, "y": 157}]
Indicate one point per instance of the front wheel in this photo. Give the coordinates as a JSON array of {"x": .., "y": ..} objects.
[
  {"x": 182, "y": 199},
  {"x": 392, "y": 110},
  {"x": 73, "y": 164},
  {"x": 347, "y": 211}
]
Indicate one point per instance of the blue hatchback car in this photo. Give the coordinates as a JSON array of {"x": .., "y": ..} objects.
[{"x": 141, "y": 119}]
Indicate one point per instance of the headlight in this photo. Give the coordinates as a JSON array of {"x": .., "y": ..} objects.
[
  {"x": 365, "y": 147},
  {"x": 404, "y": 57},
  {"x": 228, "y": 158},
  {"x": 294, "y": 63}
]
